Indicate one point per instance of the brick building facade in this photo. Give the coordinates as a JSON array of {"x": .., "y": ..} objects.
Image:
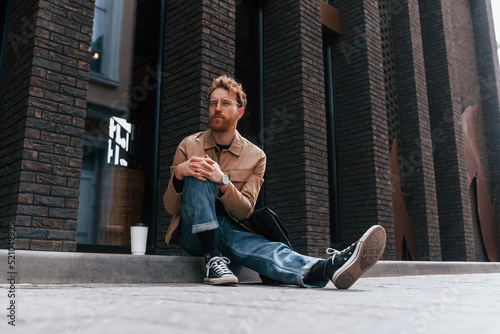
[
  {"x": 43, "y": 118},
  {"x": 330, "y": 86}
]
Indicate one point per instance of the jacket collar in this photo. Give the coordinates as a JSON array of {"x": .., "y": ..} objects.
[{"x": 235, "y": 147}]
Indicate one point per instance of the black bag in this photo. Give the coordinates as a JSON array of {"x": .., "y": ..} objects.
[{"x": 267, "y": 223}]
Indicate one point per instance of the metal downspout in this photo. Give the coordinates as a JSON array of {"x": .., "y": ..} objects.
[
  {"x": 260, "y": 24},
  {"x": 332, "y": 150},
  {"x": 156, "y": 157}
]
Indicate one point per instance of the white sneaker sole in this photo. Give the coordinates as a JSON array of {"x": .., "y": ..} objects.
[
  {"x": 226, "y": 280},
  {"x": 368, "y": 251}
]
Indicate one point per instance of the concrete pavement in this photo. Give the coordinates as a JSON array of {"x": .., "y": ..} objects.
[
  {"x": 66, "y": 293},
  {"x": 467, "y": 303}
]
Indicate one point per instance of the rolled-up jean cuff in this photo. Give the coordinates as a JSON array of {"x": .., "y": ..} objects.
[
  {"x": 205, "y": 227},
  {"x": 304, "y": 271}
]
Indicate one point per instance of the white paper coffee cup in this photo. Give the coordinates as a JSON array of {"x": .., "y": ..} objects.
[{"x": 138, "y": 238}]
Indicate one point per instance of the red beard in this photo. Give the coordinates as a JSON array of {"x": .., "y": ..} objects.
[{"x": 219, "y": 125}]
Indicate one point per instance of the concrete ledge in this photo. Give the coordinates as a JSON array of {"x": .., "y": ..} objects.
[
  {"x": 38, "y": 267},
  {"x": 413, "y": 268},
  {"x": 70, "y": 267}
]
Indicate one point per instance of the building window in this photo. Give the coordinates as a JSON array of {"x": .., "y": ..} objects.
[
  {"x": 119, "y": 177},
  {"x": 105, "y": 51},
  {"x": 112, "y": 183},
  {"x": 249, "y": 70},
  {"x": 247, "y": 67}
]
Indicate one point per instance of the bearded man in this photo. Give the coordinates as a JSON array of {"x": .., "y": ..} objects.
[{"x": 215, "y": 180}]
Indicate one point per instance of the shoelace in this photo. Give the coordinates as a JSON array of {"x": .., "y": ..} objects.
[
  {"x": 219, "y": 265},
  {"x": 334, "y": 252}
]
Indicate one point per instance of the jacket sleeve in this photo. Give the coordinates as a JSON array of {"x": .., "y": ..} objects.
[
  {"x": 172, "y": 200},
  {"x": 240, "y": 203}
]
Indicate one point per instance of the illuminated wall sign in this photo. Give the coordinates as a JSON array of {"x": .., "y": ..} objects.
[{"x": 120, "y": 132}]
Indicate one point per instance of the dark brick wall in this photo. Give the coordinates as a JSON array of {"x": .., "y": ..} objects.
[
  {"x": 13, "y": 112},
  {"x": 453, "y": 84},
  {"x": 199, "y": 46},
  {"x": 467, "y": 79},
  {"x": 418, "y": 162},
  {"x": 487, "y": 63},
  {"x": 362, "y": 133},
  {"x": 296, "y": 146},
  {"x": 42, "y": 121}
]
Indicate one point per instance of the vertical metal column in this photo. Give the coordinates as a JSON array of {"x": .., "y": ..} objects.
[
  {"x": 156, "y": 157},
  {"x": 332, "y": 148},
  {"x": 260, "y": 23}
]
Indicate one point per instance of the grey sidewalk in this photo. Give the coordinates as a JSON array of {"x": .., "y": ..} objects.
[
  {"x": 407, "y": 304},
  {"x": 58, "y": 293}
]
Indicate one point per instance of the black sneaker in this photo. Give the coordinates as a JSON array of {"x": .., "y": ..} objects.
[
  {"x": 345, "y": 267},
  {"x": 217, "y": 271}
]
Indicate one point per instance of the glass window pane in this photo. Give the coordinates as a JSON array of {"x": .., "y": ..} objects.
[
  {"x": 111, "y": 188},
  {"x": 118, "y": 184},
  {"x": 97, "y": 49},
  {"x": 247, "y": 66}
]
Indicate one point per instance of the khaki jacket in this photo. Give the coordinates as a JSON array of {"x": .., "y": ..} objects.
[{"x": 243, "y": 162}]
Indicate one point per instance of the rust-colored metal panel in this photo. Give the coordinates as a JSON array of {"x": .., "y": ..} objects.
[
  {"x": 470, "y": 144},
  {"x": 403, "y": 225},
  {"x": 330, "y": 19},
  {"x": 486, "y": 210}
]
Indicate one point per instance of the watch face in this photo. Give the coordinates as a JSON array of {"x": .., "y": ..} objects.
[{"x": 225, "y": 179}]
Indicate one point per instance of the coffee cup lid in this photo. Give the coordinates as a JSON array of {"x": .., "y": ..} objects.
[{"x": 139, "y": 224}]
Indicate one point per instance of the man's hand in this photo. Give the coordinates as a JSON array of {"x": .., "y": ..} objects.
[
  {"x": 198, "y": 167},
  {"x": 217, "y": 175},
  {"x": 202, "y": 168}
]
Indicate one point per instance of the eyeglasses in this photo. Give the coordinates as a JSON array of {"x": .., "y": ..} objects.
[{"x": 226, "y": 103}]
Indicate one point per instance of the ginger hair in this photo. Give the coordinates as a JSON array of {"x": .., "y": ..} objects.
[{"x": 230, "y": 85}]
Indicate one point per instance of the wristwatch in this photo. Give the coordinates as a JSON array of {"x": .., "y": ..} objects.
[{"x": 224, "y": 181}]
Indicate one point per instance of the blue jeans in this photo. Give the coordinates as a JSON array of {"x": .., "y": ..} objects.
[{"x": 271, "y": 259}]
